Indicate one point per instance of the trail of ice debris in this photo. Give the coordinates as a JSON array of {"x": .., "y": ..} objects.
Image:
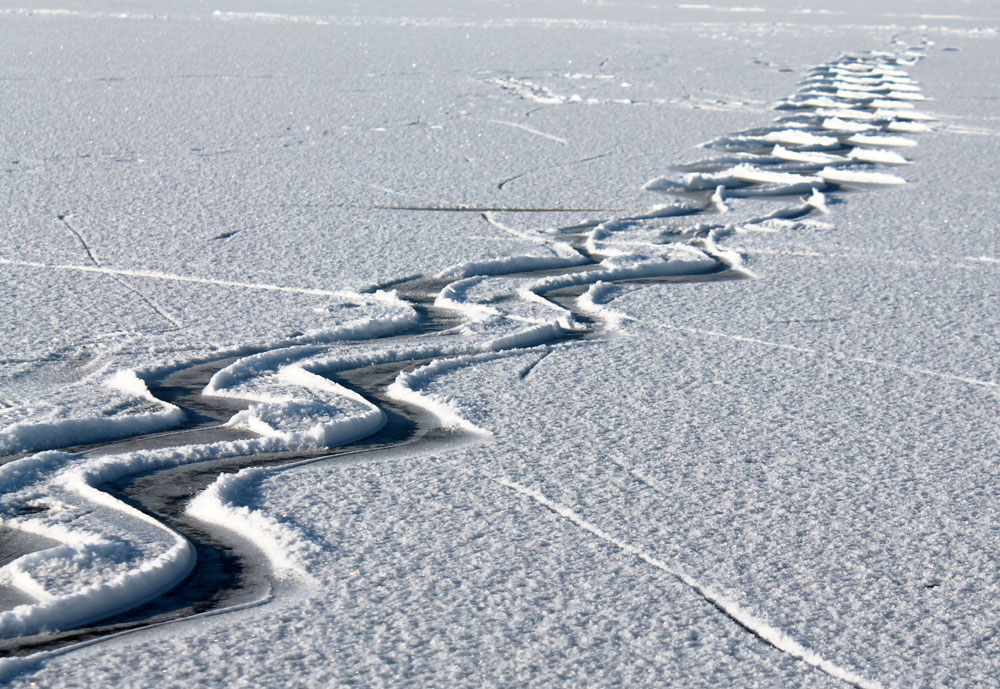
[{"x": 834, "y": 135}]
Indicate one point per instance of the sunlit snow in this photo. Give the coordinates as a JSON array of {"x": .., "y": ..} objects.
[{"x": 472, "y": 344}]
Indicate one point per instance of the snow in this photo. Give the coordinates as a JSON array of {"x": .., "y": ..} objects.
[
  {"x": 850, "y": 176},
  {"x": 220, "y": 504},
  {"x": 746, "y": 437},
  {"x": 879, "y": 140},
  {"x": 800, "y": 138},
  {"x": 876, "y": 155},
  {"x": 108, "y": 573}
]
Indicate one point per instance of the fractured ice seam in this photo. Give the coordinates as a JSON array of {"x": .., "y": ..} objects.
[{"x": 737, "y": 613}]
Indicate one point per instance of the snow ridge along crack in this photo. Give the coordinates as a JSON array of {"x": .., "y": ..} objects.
[{"x": 848, "y": 123}]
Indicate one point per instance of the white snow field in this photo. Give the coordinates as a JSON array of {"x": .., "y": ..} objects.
[{"x": 690, "y": 309}]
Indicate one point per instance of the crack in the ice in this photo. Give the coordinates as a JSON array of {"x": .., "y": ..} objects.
[
  {"x": 64, "y": 219},
  {"x": 530, "y": 130},
  {"x": 840, "y": 356},
  {"x": 501, "y": 184},
  {"x": 444, "y": 208},
  {"x": 537, "y": 300},
  {"x": 156, "y": 275},
  {"x": 527, "y": 370},
  {"x": 738, "y": 614}
]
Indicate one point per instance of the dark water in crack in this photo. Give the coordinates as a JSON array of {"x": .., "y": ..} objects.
[
  {"x": 14, "y": 544},
  {"x": 229, "y": 570}
]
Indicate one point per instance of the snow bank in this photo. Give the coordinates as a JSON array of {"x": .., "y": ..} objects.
[
  {"x": 67, "y": 580},
  {"x": 846, "y": 114},
  {"x": 907, "y": 126},
  {"x": 124, "y": 406},
  {"x": 681, "y": 260},
  {"x": 453, "y": 296},
  {"x": 93, "y": 601},
  {"x": 525, "y": 337},
  {"x": 410, "y": 387},
  {"x": 876, "y": 140},
  {"x": 798, "y": 137},
  {"x": 840, "y": 125},
  {"x": 594, "y": 301},
  {"x": 224, "y": 504},
  {"x": 877, "y": 155},
  {"x": 749, "y": 173},
  {"x": 735, "y": 177},
  {"x": 818, "y": 201},
  {"x": 296, "y": 406},
  {"x": 815, "y": 157},
  {"x": 21, "y": 437},
  {"x": 513, "y": 264},
  {"x": 316, "y": 411},
  {"x": 840, "y": 175},
  {"x": 113, "y": 556}
]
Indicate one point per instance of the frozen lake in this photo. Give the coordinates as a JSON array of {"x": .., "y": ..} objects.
[{"x": 659, "y": 341}]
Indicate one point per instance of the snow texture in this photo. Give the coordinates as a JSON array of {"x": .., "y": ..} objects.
[{"x": 733, "y": 427}]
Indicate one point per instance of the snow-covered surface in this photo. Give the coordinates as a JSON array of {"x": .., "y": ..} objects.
[{"x": 790, "y": 480}]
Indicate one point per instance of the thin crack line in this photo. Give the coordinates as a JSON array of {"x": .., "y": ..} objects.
[
  {"x": 496, "y": 209},
  {"x": 154, "y": 275},
  {"x": 502, "y": 183},
  {"x": 913, "y": 370},
  {"x": 63, "y": 218},
  {"x": 526, "y": 371},
  {"x": 734, "y": 611},
  {"x": 149, "y": 302},
  {"x": 531, "y": 130}
]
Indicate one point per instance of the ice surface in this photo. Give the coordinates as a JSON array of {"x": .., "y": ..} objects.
[{"x": 782, "y": 481}]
